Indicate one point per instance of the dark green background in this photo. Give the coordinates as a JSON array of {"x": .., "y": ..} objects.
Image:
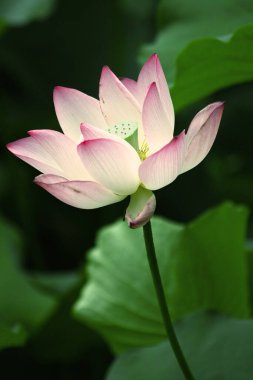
[{"x": 69, "y": 48}]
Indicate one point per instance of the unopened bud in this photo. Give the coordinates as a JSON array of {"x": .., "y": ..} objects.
[{"x": 141, "y": 208}]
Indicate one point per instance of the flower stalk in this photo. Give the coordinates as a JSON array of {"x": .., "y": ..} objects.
[{"x": 153, "y": 264}]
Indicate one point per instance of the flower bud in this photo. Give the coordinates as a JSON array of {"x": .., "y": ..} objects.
[{"x": 141, "y": 208}]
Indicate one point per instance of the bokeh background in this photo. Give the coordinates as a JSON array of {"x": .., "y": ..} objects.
[{"x": 48, "y": 43}]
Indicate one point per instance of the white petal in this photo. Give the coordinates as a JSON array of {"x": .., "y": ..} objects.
[
  {"x": 51, "y": 152},
  {"x": 64, "y": 152},
  {"x": 80, "y": 194},
  {"x": 201, "y": 134},
  {"x": 73, "y": 108},
  {"x": 89, "y": 132},
  {"x": 152, "y": 72},
  {"x": 117, "y": 103},
  {"x": 162, "y": 167},
  {"x": 111, "y": 163},
  {"x": 132, "y": 87},
  {"x": 30, "y": 151},
  {"x": 156, "y": 125}
]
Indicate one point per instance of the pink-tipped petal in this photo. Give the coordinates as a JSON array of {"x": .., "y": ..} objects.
[
  {"x": 132, "y": 87},
  {"x": 50, "y": 152},
  {"x": 80, "y": 194},
  {"x": 30, "y": 151},
  {"x": 117, "y": 103},
  {"x": 162, "y": 167},
  {"x": 64, "y": 152},
  {"x": 90, "y": 132},
  {"x": 152, "y": 72},
  {"x": 111, "y": 163},
  {"x": 73, "y": 108},
  {"x": 157, "y": 129},
  {"x": 201, "y": 134}
]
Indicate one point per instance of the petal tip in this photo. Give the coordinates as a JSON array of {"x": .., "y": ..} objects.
[
  {"x": 218, "y": 108},
  {"x": 13, "y": 147},
  {"x": 59, "y": 90},
  {"x": 152, "y": 86},
  {"x": 33, "y": 132},
  {"x": 83, "y": 127},
  {"x": 10, "y": 147},
  {"x": 151, "y": 91},
  {"x": 105, "y": 70},
  {"x": 154, "y": 57},
  {"x": 220, "y": 104},
  {"x": 38, "y": 180}
]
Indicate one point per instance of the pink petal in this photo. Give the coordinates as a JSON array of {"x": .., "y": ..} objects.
[
  {"x": 30, "y": 151},
  {"x": 201, "y": 134},
  {"x": 132, "y": 87},
  {"x": 117, "y": 103},
  {"x": 64, "y": 152},
  {"x": 73, "y": 108},
  {"x": 50, "y": 152},
  {"x": 111, "y": 163},
  {"x": 81, "y": 194},
  {"x": 90, "y": 132},
  {"x": 157, "y": 129},
  {"x": 152, "y": 72},
  {"x": 162, "y": 167}
]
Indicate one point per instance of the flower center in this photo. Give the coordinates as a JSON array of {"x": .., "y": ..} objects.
[
  {"x": 143, "y": 151},
  {"x": 128, "y": 131},
  {"x": 124, "y": 129}
]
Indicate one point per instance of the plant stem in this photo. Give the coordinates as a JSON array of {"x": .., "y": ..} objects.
[{"x": 149, "y": 242}]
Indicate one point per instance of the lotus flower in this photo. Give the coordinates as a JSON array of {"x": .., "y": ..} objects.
[{"x": 119, "y": 145}]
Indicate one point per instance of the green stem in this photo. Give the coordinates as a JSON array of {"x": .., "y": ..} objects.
[{"x": 149, "y": 242}]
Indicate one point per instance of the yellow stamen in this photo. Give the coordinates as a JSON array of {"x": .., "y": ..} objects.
[{"x": 143, "y": 151}]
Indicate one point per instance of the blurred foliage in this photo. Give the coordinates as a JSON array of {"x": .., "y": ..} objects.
[
  {"x": 208, "y": 65},
  {"x": 127, "y": 313},
  {"x": 20, "y": 12},
  {"x": 200, "y": 47},
  {"x": 35, "y": 309},
  {"x": 62, "y": 338},
  {"x": 182, "y": 21},
  {"x": 12, "y": 335},
  {"x": 22, "y": 307},
  {"x": 216, "y": 347},
  {"x": 203, "y": 47}
]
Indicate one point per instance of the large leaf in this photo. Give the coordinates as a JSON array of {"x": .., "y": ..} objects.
[
  {"x": 216, "y": 348},
  {"x": 203, "y": 266},
  {"x": 208, "y": 65},
  {"x": 208, "y": 24},
  {"x": 21, "y": 305}
]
